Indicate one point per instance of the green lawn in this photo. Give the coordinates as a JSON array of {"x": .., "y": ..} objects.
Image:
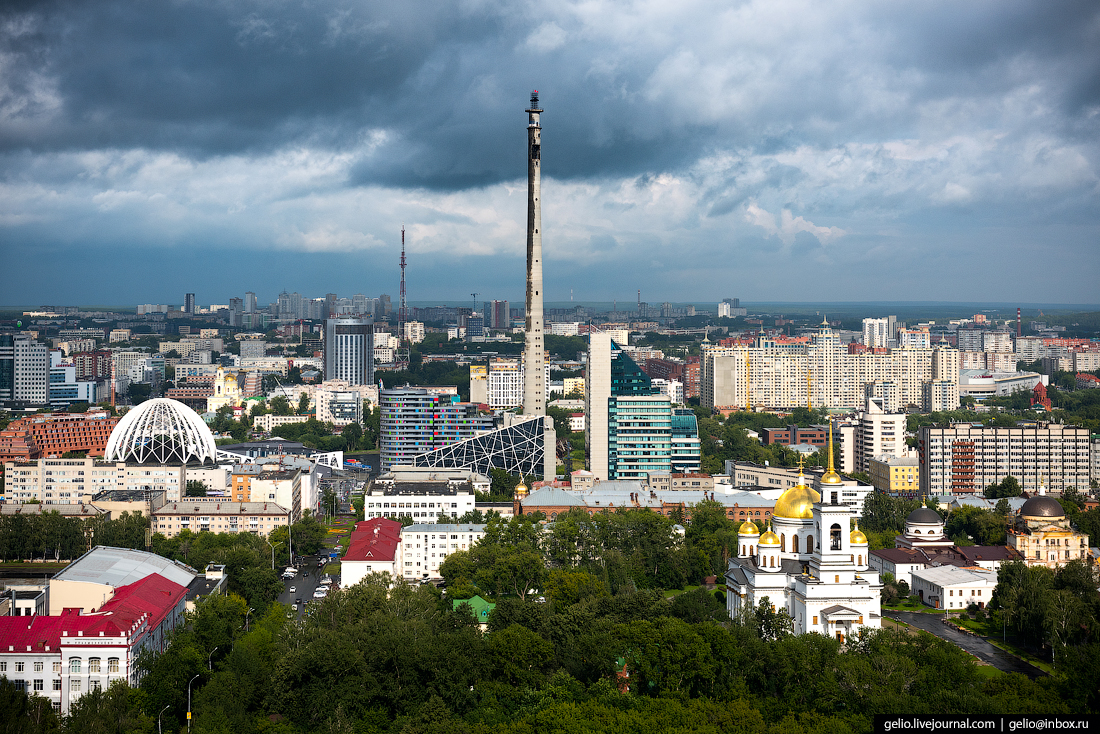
[
  {"x": 994, "y": 634},
  {"x": 905, "y": 606},
  {"x": 676, "y": 592}
]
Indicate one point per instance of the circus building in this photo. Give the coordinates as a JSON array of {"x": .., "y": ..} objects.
[
  {"x": 149, "y": 451},
  {"x": 161, "y": 431},
  {"x": 1043, "y": 536},
  {"x": 811, "y": 562}
]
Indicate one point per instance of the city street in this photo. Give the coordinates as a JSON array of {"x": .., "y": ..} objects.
[
  {"x": 303, "y": 585},
  {"x": 976, "y": 646}
]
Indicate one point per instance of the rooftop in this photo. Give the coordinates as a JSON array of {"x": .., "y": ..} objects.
[
  {"x": 222, "y": 507},
  {"x": 442, "y": 528},
  {"x": 376, "y": 539},
  {"x": 953, "y": 575},
  {"x": 121, "y": 566}
]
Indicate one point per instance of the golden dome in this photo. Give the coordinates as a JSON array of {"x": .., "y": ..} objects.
[
  {"x": 797, "y": 502},
  {"x": 857, "y": 537},
  {"x": 748, "y": 528},
  {"x": 769, "y": 538},
  {"x": 521, "y": 490}
]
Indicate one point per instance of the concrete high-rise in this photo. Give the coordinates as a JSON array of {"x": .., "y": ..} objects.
[
  {"x": 249, "y": 302},
  {"x": 349, "y": 350},
  {"x": 534, "y": 357},
  {"x": 189, "y": 303}
]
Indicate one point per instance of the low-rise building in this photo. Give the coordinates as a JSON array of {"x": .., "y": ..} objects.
[
  {"x": 898, "y": 476},
  {"x": 270, "y": 421},
  {"x": 67, "y": 481},
  {"x": 951, "y": 587},
  {"x": 1043, "y": 536},
  {"x": 373, "y": 547},
  {"x": 199, "y": 514},
  {"x": 424, "y": 547}
]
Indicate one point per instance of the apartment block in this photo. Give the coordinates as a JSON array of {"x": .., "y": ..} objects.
[{"x": 966, "y": 458}]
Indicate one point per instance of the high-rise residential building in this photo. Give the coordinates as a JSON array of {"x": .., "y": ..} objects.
[
  {"x": 499, "y": 315},
  {"x": 189, "y": 303},
  {"x": 349, "y": 350},
  {"x": 24, "y": 370},
  {"x": 730, "y": 308},
  {"x": 414, "y": 332},
  {"x": 330, "y": 306},
  {"x": 236, "y": 311},
  {"x": 969, "y": 340},
  {"x": 878, "y": 433},
  {"x": 914, "y": 339},
  {"x": 997, "y": 341},
  {"x": 878, "y": 332},
  {"x": 965, "y": 458},
  {"x": 821, "y": 373},
  {"x": 417, "y": 420},
  {"x": 250, "y": 302}
]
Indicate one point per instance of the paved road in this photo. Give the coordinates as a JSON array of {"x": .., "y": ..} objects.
[
  {"x": 304, "y": 584},
  {"x": 976, "y": 646}
]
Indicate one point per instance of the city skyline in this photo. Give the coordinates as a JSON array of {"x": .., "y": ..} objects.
[{"x": 772, "y": 152}]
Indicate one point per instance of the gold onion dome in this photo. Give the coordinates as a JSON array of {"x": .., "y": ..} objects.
[
  {"x": 797, "y": 503},
  {"x": 748, "y": 528},
  {"x": 521, "y": 490},
  {"x": 857, "y": 537},
  {"x": 831, "y": 477},
  {"x": 769, "y": 538}
]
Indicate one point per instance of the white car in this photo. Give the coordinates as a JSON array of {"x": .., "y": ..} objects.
[
  {"x": 292, "y": 589},
  {"x": 320, "y": 594}
]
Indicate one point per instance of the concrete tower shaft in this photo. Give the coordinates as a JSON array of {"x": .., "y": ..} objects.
[{"x": 534, "y": 353}]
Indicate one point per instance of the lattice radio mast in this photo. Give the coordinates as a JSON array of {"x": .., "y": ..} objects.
[{"x": 402, "y": 314}]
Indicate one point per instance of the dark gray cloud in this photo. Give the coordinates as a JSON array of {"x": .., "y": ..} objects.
[{"x": 753, "y": 140}]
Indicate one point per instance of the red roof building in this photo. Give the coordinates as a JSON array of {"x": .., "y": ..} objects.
[
  {"x": 374, "y": 547},
  {"x": 1039, "y": 396},
  {"x": 64, "y": 656}
]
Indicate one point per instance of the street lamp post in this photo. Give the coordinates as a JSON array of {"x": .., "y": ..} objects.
[
  {"x": 246, "y": 616},
  {"x": 210, "y": 659},
  {"x": 272, "y": 552},
  {"x": 189, "y": 702},
  {"x": 160, "y": 729}
]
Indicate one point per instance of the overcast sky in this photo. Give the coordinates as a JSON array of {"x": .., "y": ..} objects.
[{"x": 774, "y": 151}]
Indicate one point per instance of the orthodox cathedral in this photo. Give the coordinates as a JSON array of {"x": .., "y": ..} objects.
[{"x": 809, "y": 562}]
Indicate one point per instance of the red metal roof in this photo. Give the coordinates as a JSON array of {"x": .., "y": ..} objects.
[
  {"x": 374, "y": 540},
  {"x": 38, "y": 632},
  {"x": 153, "y": 595}
]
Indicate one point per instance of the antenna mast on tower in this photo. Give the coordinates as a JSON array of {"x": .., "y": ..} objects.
[{"x": 402, "y": 314}]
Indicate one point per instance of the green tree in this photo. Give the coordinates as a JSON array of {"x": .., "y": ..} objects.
[
  {"x": 303, "y": 403},
  {"x": 196, "y": 488},
  {"x": 280, "y": 405}
]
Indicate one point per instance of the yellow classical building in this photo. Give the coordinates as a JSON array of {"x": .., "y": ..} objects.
[{"x": 1043, "y": 536}]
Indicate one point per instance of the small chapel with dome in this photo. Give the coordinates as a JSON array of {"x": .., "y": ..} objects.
[{"x": 810, "y": 562}]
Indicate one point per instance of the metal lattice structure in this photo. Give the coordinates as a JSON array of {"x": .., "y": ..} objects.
[
  {"x": 161, "y": 431},
  {"x": 518, "y": 449}
]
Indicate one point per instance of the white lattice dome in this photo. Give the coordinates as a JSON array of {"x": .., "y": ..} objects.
[{"x": 161, "y": 431}]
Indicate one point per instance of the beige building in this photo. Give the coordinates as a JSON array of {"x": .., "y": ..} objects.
[
  {"x": 69, "y": 481},
  {"x": 820, "y": 373},
  {"x": 269, "y": 421},
  {"x": 1043, "y": 536},
  {"x": 199, "y": 514},
  {"x": 966, "y": 458}
]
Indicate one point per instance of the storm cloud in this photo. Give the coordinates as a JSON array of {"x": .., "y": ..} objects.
[{"x": 774, "y": 150}]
